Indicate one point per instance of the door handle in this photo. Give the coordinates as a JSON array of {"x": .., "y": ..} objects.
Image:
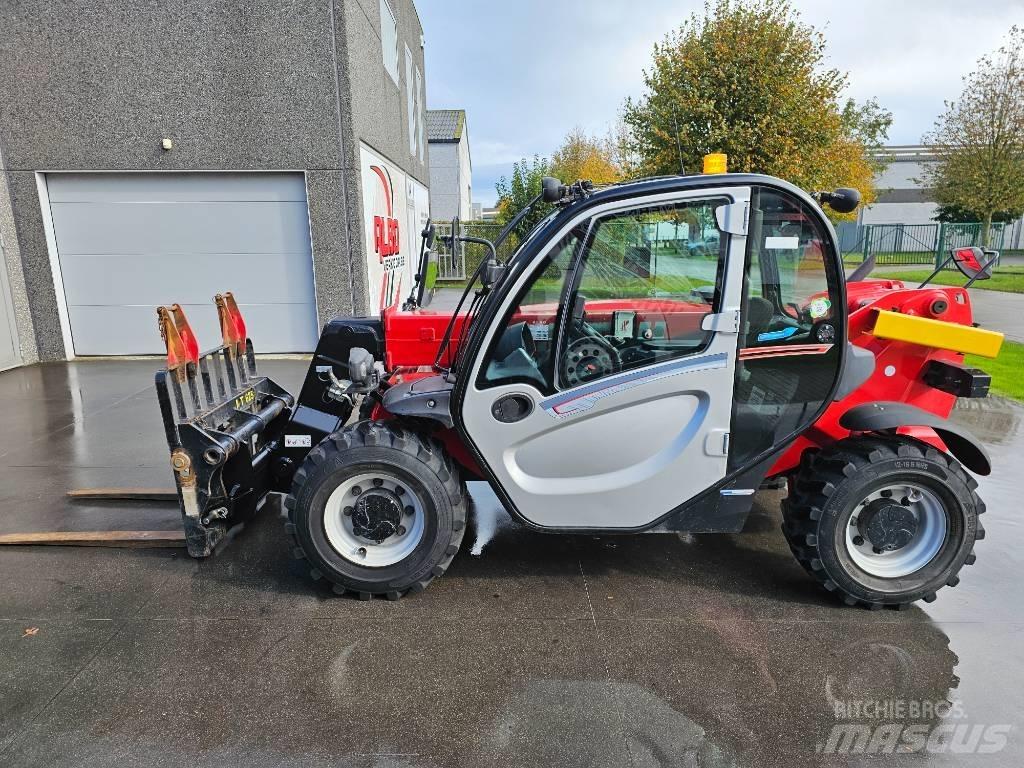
[{"x": 511, "y": 408}]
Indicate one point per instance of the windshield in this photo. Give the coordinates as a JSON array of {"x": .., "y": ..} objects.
[{"x": 532, "y": 234}]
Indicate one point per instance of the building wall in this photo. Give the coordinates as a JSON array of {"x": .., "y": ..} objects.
[
  {"x": 900, "y": 174},
  {"x": 445, "y": 200},
  {"x": 899, "y": 213},
  {"x": 902, "y": 196},
  {"x": 259, "y": 86},
  {"x": 451, "y": 179},
  {"x": 465, "y": 177}
]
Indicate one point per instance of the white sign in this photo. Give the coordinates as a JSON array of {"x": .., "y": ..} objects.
[
  {"x": 781, "y": 243},
  {"x": 395, "y": 209}
]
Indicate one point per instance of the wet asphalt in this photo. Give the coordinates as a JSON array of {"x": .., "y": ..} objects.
[{"x": 543, "y": 650}]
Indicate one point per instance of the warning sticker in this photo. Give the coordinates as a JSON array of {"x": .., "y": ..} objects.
[
  {"x": 819, "y": 308},
  {"x": 298, "y": 441},
  {"x": 540, "y": 331}
]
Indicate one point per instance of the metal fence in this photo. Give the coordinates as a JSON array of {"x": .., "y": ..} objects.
[
  {"x": 889, "y": 243},
  {"x": 467, "y": 256},
  {"x": 920, "y": 243}
]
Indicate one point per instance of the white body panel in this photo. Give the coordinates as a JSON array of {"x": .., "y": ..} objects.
[{"x": 622, "y": 451}]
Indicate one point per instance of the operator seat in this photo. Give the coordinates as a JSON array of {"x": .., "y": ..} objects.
[{"x": 759, "y": 317}]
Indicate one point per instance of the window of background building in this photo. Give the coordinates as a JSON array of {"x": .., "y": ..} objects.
[{"x": 389, "y": 39}]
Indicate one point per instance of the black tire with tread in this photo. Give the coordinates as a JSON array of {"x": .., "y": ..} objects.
[
  {"x": 423, "y": 461},
  {"x": 819, "y": 502}
]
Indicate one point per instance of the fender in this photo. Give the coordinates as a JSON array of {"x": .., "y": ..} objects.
[{"x": 878, "y": 417}]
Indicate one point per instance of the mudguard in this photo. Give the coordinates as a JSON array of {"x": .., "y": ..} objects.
[{"x": 881, "y": 416}]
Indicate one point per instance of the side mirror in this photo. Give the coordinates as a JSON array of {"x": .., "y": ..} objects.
[
  {"x": 552, "y": 190},
  {"x": 843, "y": 200},
  {"x": 975, "y": 263}
]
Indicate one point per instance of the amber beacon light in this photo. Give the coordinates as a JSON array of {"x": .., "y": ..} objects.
[{"x": 716, "y": 162}]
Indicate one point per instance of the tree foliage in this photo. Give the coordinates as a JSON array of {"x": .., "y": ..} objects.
[
  {"x": 515, "y": 193},
  {"x": 748, "y": 78},
  {"x": 979, "y": 139},
  {"x": 584, "y": 157}
]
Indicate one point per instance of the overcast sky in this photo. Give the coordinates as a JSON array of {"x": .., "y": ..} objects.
[{"x": 527, "y": 72}]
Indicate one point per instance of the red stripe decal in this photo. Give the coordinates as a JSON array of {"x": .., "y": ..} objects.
[
  {"x": 784, "y": 350},
  {"x": 386, "y": 184}
]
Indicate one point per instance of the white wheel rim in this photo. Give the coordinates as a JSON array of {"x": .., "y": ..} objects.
[
  {"x": 340, "y": 528},
  {"x": 926, "y": 543}
]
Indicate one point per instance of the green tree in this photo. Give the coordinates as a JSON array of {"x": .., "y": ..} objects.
[
  {"x": 979, "y": 139},
  {"x": 516, "y": 193},
  {"x": 748, "y": 78},
  {"x": 584, "y": 157},
  {"x": 954, "y": 214}
]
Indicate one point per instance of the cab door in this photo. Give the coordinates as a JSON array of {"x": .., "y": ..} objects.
[{"x": 602, "y": 397}]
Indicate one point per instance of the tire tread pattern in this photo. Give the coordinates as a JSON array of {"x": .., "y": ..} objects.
[
  {"x": 428, "y": 451},
  {"x": 816, "y": 479}
]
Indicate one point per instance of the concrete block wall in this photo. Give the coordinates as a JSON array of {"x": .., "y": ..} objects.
[{"x": 262, "y": 85}]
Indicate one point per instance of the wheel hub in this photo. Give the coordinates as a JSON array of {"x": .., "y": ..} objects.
[
  {"x": 887, "y": 525},
  {"x": 377, "y": 515},
  {"x": 374, "y": 519},
  {"x": 897, "y": 530}
]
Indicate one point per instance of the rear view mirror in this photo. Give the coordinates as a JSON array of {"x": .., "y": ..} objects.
[
  {"x": 975, "y": 263},
  {"x": 842, "y": 200},
  {"x": 552, "y": 190}
]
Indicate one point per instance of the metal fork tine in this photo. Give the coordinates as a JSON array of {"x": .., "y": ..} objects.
[
  {"x": 193, "y": 390},
  {"x": 179, "y": 399},
  {"x": 218, "y": 369},
  {"x": 204, "y": 371},
  {"x": 250, "y": 357},
  {"x": 229, "y": 368},
  {"x": 243, "y": 377}
]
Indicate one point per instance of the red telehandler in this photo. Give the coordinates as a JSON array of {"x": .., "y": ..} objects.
[{"x": 651, "y": 355}]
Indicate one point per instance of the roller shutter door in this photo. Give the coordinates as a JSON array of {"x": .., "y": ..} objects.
[{"x": 127, "y": 242}]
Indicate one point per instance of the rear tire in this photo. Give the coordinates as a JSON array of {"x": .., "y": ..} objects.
[
  {"x": 377, "y": 509},
  {"x": 924, "y": 510}
]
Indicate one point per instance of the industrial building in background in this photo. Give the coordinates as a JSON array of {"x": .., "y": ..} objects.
[
  {"x": 902, "y": 197},
  {"x": 451, "y": 167},
  {"x": 279, "y": 150}
]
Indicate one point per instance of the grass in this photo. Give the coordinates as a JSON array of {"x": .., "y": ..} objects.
[
  {"x": 884, "y": 258},
  {"x": 1005, "y": 369},
  {"x": 1009, "y": 279},
  {"x": 910, "y": 258}
]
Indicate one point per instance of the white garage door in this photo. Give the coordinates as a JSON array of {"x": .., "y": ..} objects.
[{"x": 128, "y": 242}]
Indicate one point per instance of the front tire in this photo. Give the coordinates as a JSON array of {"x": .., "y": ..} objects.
[
  {"x": 883, "y": 520},
  {"x": 377, "y": 509}
]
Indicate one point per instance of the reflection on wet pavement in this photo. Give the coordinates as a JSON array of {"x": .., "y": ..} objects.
[{"x": 543, "y": 650}]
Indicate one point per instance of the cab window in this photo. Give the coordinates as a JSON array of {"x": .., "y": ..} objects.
[
  {"x": 790, "y": 351},
  {"x": 624, "y": 291},
  {"x": 523, "y": 350},
  {"x": 789, "y": 299},
  {"x": 645, "y": 282}
]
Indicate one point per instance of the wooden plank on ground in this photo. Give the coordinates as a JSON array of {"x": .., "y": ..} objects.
[
  {"x": 97, "y": 538},
  {"x": 124, "y": 494}
]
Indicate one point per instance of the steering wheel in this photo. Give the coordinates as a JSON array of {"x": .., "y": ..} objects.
[{"x": 587, "y": 359}]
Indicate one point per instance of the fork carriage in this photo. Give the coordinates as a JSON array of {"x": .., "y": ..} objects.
[{"x": 223, "y": 423}]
